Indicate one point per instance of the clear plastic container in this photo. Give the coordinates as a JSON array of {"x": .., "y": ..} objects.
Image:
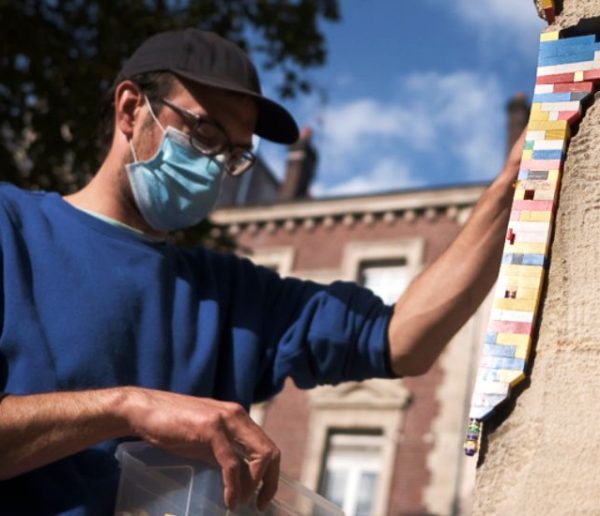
[{"x": 156, "y": 483}]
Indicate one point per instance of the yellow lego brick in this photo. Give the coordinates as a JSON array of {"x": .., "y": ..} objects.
[
  {"x": 548, "y": 4},
  {"x": 519, "y": 193},
  {"x": 536, "y": 107},
  {"x": 539, "y": 116},
  {"x": 523, "y": 285},
  {"x": 511, "y": 377},
  {"x": 550, "y": 36},
  {"x": 578, "y": 76},
  {"x": 523, "y": 292},
  {"x": 553, "y": 175},
  {"x": 526, "y": 248},
  {"x": 520, "y": 305},
  {"x": 527, "y": 154},
  {"x": 513, "y": 339},
  {"x": 557, "y": 134},
  {"x": 536, "y": 216},
  {"x": 522, "y": 351},
  {"x": 536, "y": 184},
  {"x": 551, "y": 125},
  {"x": 530, "y": 271}
]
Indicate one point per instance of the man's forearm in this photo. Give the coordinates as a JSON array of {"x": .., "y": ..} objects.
[
  {"x": 444, "y": 296},
  {"x": 38, "y": 429}
]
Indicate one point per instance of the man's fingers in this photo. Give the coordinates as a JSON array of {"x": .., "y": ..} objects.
[
  {"x": 231, "y": 465},
  {"x": 270, "y": 482}
]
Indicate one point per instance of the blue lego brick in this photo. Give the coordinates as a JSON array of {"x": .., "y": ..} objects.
[
  {"x": 550, "y": 46},
  {"x": 491, "y": 350},
  {"x": 489, "y": 375},
  {"x": 515, "y": 364},
  {"x": 566, "y": 50},
  {"x": 547, "y": 154},
  {"x": 560, "y": 60},
  {"x": 524, "y": 259},
  {"x": 552, "y": 97},
  {"x": 533, "y": 175},
  {"x": 490, "y": 337}
]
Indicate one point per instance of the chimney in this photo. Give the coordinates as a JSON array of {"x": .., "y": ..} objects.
[
  {"x": 301, "y": 166},
  {"x": 518, "y": 116}
]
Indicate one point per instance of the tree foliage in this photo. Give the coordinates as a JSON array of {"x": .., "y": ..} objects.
[{"x": 58, "y": 58}]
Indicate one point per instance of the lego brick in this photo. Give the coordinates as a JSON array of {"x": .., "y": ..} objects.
[
  {"x": 533, "y": 205},
  {"x": 558, "y": 134},
  {"x": 549, "y": 36},
  {"x": 524, "y": 287},
  {"x": 570, "y": 116},
  {"x": 502, "y": 363},
  {"x": 554, "y": 175},
  {"x": 553, "y": 115},
  {"x": 534, "y": 175},
  {"x": 544, "y": 88},
  {"x": 524, "y": 259},
  {"x": 536, "y": 184},
  {"x": 547, "y": 4},
  {"x": 582, "y": 66},
  {"x": 522, "y": 270},
  {"x": 513, "y": 339},
  {"x": 549, "y": 145},
  {"x": 591, "y": 75},
  {"x": 535, "y": 216},
  {"x": 587, "y": 87},
  {"x": 541, "y": 164},
  {"x": 555, "y": 78},
  {"x": 510, "y": 327},
  {"x": 495, "y": 350},
  {"x": 512, "y": 315},
  {"x": 547, "y": 126},
  {"x": 530, "y": 227},
  {"x": 568, "y": 47},
  {"x": 490, "y": 337},
  {"x": 549, "y": 98},
  {"x": 578, "y": 77},
  {"x": 522, "y": 352},
  {"x": 480, "y": 413},
  {"x": 530, "y": 144},
  {"x": 547, "y": 154},
  {"x": 527, "y": 154},
  {"x": 535, "y": 135},
  {"x": 487, "y": 387},
  {"x": 532, "y": 236},
  {"x": 527, "y": 248},
  {"x": 540, "y": 115},
  {"x": 515, "y": 215},
  {"x": 520, "y": 305},
  {"x": 562, "y": 106},
  {"x": 584, "y": 56},
  {"x": 512, "y": 377}
]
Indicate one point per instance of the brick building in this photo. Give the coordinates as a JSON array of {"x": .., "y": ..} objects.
[{"x": 377, "y": 447}]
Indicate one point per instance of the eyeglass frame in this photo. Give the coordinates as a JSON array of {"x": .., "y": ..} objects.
[{"x": 194, "y": 122}]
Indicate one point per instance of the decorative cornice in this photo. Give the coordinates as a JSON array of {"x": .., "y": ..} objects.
[{"x": 348, "y": 210}]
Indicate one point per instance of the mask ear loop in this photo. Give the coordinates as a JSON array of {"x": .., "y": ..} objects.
[{"x": 135, "y": 159}]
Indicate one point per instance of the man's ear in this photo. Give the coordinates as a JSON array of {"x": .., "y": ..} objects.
[{"x": 129, "y": 100}]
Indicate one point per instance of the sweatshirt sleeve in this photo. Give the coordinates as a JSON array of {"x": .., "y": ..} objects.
[{"x": 322, "y": 334}]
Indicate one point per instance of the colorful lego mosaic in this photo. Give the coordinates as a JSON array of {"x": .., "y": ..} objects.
[{"x": 568, "y": 73}]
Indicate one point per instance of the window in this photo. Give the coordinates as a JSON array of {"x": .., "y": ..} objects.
[
  {"x": 351, "y": 470},
  {"x": 386, "y": 278}
]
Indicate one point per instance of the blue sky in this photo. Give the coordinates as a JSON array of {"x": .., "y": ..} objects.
[{"x": 416, "y": 93}]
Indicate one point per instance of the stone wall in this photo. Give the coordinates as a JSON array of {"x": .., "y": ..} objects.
[{"x": 544, "y": 455}]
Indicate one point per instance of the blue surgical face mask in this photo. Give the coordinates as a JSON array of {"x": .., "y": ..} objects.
[{"x": 177, "y": 187}]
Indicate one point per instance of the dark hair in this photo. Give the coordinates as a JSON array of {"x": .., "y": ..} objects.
[{"x": 155, "y": 86}]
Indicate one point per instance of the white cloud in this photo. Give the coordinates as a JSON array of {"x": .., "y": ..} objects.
[
  {"x": 512, "y": 22},
  {"x": 386, "y": 174}
]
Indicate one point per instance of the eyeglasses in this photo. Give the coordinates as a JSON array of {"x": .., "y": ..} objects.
[{"x": 210, "y": 139}]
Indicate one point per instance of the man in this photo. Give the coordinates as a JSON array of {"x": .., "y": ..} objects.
[{"x": 110, "y": 332}]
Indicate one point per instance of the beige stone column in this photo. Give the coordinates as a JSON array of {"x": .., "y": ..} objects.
[{"x": 544, "y": 456}]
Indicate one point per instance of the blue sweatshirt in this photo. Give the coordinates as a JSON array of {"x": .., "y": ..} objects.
[{"x": 86, "y": 305}]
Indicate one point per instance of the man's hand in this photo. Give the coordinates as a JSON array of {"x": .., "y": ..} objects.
[
  {"x": 202, "y": 428},
  {"x": 39, "y": 429}
]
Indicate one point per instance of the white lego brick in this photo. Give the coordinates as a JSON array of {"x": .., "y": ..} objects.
[
  {"x": 536, "y": 135},
  {"x": 512, "y": 315},
  {"x": 529, "y": 226},
  {"x": 543, "y": 88},
  {"x": 545, "y": 195},
  {"x": 532, "y": 237},
  {"x": 561, "y": 106},
  {"x": 550, "y": 145},
  {"x": 483, "y": 388},
  {"x": 553, "y": 115},
  {"x": 582, "y": 66}
]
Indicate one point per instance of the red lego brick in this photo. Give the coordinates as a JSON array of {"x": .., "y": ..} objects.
[
  {"x": 569, "y": 116},
  {"x": 591, "y": 75},
  {"x": 533, "y": 205},
  {"x": 510, "y": 327},
  {"x": 556, "y": 78},
  {"x": 578, "y": 87}
]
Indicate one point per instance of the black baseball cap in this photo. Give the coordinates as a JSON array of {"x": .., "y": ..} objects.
[{"x": 207, "y": 58}]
